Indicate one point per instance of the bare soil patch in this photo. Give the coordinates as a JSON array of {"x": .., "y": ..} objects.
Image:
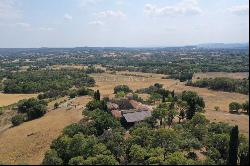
[{"x": 8, "y": 99}]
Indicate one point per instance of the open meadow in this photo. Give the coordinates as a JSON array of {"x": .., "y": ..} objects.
[{"x": 8, "y": 99}]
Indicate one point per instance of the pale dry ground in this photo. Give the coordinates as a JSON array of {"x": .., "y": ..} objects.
[
  {"x": 106, "y": 83},
  {"x": 28, "y": 142},
  {"x": 8, "y": 99},
  {"x": 57, "y": 67},
  {"x": 239, "y": 75}
]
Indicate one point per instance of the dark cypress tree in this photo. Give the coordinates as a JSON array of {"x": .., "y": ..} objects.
[
  {"x": 163, "y": 99},
  {"x": 233, "y": 146},
  {"x": 173, "y": 94},
  {"x": 97, "y": 95}
]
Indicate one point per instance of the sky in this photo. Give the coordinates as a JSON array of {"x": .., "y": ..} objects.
[{"x": 122, "y": 23}]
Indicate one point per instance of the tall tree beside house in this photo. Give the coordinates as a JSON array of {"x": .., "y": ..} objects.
[
  {"x": 233, "y": 146},
  {"x": 97, "y": 95},
  {"x": 195, "y": 103}
]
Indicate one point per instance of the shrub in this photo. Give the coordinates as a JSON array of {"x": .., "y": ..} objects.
[
  {"x": 216, "y": 108},
  {"x": 33, "y": 108},
  {"x": 123, "y": 88},
  {"x": 56, "y": 105},
  {"x": 73, "y": 94},
  {"x": 234, "y": 106},
  {"x": 83, "y": 91},
  {"x": 18, "y": 119}
]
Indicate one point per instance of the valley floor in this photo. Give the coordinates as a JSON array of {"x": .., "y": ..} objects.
[{"x": 28, "y": 142}]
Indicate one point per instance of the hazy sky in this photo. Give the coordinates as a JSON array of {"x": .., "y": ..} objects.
[{"x": 72, "y": 23}]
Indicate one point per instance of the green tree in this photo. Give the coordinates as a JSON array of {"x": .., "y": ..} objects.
[
  {"x": 155, "y": 156},
  {"x": 195, "y": 103},
  {"x": 154, "y": 97},
  {"x": 61, "y": 145},
  {"x": 221, "y": 143},
  {"x": 137, "y": 154},
  {"x": 176, "y": 158},
  {"x": 93, "y": 105},
  {"x": 101, "y": 160},
  {"x": 51, "y": 158},
  {"x": 103, "y": 121},
  {"x": 33, "y": 107},
  {"x": 97, "y": 95},
  {"x": 245, "y": 106},
  {"x": 234, "y": 106},
  {"x": 123, "y": 88},
  {"x": 166, "y": 139},
  {"x": 233, "y": 146},
  {"x": 18, "y": 119},
  {"x": 171, "y": 113},
  {"x": 77, "y": 161}
]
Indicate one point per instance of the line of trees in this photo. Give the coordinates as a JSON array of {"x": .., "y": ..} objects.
[
  {"x": 223, "y": 84},
  {"x": 46, "y": 80}
]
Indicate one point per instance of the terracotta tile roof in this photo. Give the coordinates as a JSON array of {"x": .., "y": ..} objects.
[{"x": 116, "y": 113}]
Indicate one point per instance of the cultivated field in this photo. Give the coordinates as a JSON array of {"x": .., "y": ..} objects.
[
  {"x": 28, "y": 142},
  {"x": 7, "y": 99},
  {"x": 106, "y": 83}
]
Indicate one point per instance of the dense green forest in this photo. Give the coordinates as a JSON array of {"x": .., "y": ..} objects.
[
  {"x": 223, "y": 84},
  {"x": 45, "y": 80},
  {"x": 100, "y": 139},
  {"x": 179, "y": 63}
]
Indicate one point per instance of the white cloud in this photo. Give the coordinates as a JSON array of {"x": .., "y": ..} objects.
[
  {"x": 111, "y": 14},
  {"x": 85, "y": 3},
  {"x": 239, "y": 10},
  {"x": 8, "y": 10},
  {"x": 67, "y": 17},
  {"x": 46, "y": 29},
  {"x": 96, "y": 23},
  {"x": 186, "y": 7},
  {"x": 23, "y": 24}
]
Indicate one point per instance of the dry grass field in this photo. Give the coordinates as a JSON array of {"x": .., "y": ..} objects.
[
  {"x": 239, "y": 75},
  {"x": 28, "y": 142},
  {"x": 57, "y": 67},
  {"x": 7, "y": 99},
  {"x": 106, "y": 83}
]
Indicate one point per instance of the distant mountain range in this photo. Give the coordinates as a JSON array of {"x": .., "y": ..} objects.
[{"x": 224, "y": 45}]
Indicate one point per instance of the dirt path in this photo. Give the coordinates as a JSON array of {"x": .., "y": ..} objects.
[{"x": 28, "y": 142}]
